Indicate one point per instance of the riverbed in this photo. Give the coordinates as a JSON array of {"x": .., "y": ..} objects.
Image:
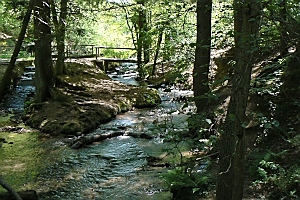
[{"x": 117, "y": 168}]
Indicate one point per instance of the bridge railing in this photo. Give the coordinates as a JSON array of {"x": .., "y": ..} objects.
[
  {"x": 71, "y": 51},
  {"x": 98, "y": 49},
  {"x": 76, "y": 51},
  {"x": 6, "y": 51}
]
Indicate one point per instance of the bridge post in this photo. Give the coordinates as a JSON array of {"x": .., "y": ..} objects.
[
  {"x": 105, "y": 66},
  {"x": 97, "y": 52}
]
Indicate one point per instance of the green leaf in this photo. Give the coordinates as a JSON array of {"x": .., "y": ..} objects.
[
  {"x": 275, "y": 123},
  {"x": 231, "y": 117},
  {"x": 208, "y": 121},
  {"x": 193, "y": 44}
]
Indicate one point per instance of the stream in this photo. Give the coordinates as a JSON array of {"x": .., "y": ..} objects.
[{"x": 116, "y": 168}]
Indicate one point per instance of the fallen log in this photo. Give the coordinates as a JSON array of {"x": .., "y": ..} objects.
[
  {"x": 89, "y": 139},
  {"x": 24, "y": 195}
]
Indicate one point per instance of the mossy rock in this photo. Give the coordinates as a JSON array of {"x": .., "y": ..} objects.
[
  {"x": 72, "y": 127},
  {"x": 143, "y": 97}
]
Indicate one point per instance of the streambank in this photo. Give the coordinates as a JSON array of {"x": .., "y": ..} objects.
[
  {"x": 125, "y": 167},
  {"x": 84, "y": 98}
]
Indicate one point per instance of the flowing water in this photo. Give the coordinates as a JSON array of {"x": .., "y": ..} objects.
[
  {"x": 21, "y": 91},
  {"x": 116, "y": 168}
]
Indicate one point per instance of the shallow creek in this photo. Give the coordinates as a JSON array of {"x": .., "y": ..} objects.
[{"x": 113, "y": 169}]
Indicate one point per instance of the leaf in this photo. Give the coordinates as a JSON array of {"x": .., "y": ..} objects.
[
  {"x": 275, "y": 123},
  {"x": 208, "y": 121},
  {"x": 193, "y": 44},
  {"x": 267, "y": 125},
  {"x": 185, "y": 106},
  {"x": 245, "y": 124},
  {"x": 231, "y": 117}
]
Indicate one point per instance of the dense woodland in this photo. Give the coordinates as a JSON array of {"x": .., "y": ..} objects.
[{"x": 243, "y": 52}]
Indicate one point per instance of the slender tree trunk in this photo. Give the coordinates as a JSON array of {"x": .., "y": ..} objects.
[
  {"x": 139, "y": 56},
  {"x": 143, "y": 45},
  {"x": 60, "y": 32},
  {"x": 43, "y": 60},
  {"x": 159, "y": 40},
  {"x": 6, "y": 80},
  {"x": 202, "y": 55},
  {"x": 146, "y": 38},
  {"x": 140, "y": 42},
  {"x": 231, "y": 162},
  {"x": 169, "y": 49},
  {"x": 283, "y": 28},
  {"x": 131, "y": 28}
]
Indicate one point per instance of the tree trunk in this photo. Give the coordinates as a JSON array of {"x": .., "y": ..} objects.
[
  {"x": 169, "y": 49},
  {"x": 143, "y": 42},
  {"x": 231, "y": 162},
  {"x": 60, "y": 32},
  {"x": 140, "y": 39},
  {"x": 6, "y": 80},
  {"x": 202, "y": 55},
  {"x": 159, "y": 40},
  {"x": 146, "y": 38},
  {"x": 283, "y": 28},
  {"x": 43, "y": 59}
]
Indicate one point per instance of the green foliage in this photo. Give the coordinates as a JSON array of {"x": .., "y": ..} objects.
[
  {"x": 27, "y": 105},
  {"x": 177, "y": 179},
  {"x": 99, "y": 29},
  {"x": 278, "y": 182},
  {"x": 190, "y": 170},
  {"x": 25, "y": 156},
  {"x": 222, "y": 25},
  {"x": 9, "y": 21},
  {"x": 111, "y": 53},
  {"x": 270, "y": 83},
  {"x": 267, "y": 123}
]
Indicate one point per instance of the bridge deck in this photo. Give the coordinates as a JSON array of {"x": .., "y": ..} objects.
[
  {"x": 103, "y": 62},
  {"x": 116, "y": 60}
]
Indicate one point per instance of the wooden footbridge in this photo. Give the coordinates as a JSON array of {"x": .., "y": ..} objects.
[
  {"x": 77, "y": 51},
  {"x": 92, "y": 51}
]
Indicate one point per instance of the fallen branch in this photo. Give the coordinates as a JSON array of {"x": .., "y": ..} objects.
[
  {"x": 10, "y": 190},
  {"x": 89, "y": 139},
  {"x": 25, "y": 195}
]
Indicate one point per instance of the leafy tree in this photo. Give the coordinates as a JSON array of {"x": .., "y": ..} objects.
[
  {"x": 12, "y": 13},
  {"x": 232, "y": 142},
  {"x": 6, "y": 80}
]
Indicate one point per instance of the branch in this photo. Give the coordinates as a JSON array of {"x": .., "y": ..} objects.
[
  {"x": 54, "y": 14},
  {"x": 10, "y": 190},
  {"x": 89, "y": 139}
]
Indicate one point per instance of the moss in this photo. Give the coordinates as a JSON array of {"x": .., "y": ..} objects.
[
  {"x": 72, "y": 127},
  {"x": 21, "y": 157},
  {"x": 5, "y": 120},
  {"x": 145, "y": 97},
  {"x": 124, "y": 105},
  {"x": 80, "y": 106}
]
